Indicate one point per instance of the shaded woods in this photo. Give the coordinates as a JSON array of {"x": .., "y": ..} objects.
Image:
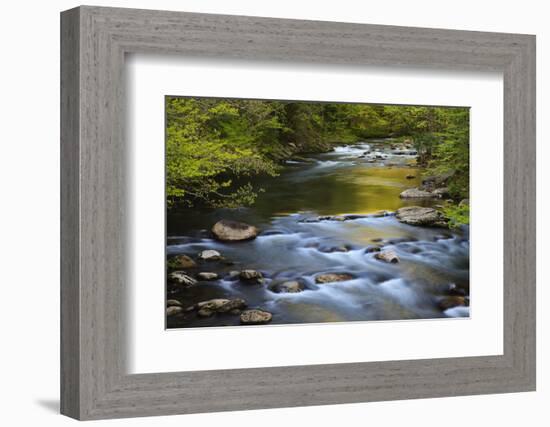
[{"x": 216, "y": 147}]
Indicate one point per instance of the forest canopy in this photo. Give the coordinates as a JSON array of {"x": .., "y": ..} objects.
[{"x": 215, "y": 147}]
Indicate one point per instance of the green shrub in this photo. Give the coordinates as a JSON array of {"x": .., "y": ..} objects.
[{"x": 457, "y": 215}]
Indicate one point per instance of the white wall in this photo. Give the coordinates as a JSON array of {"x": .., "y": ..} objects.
[{"x": 29, "y": 226}]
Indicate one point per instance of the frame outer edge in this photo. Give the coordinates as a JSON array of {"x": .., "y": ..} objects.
[
  {"x": 526, "y": 129},
  {"x": 70, "y": 388},
  {"x": 532, "y": 138},
  {"x": 520, "y": 215},
  {"x": 89, "y": 390}
]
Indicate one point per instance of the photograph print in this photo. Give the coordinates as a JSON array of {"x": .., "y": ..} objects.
[{"x": 295, "y": 212}]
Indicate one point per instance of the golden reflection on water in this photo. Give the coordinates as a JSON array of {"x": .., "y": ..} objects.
[
  {"x": 358, "y": 190},
  {"x": 378, "y": 188}
]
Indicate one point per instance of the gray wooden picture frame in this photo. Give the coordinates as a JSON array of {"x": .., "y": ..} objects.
[{"x": 94, "y": 381}]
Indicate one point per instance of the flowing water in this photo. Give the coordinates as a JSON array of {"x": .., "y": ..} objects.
[{"x": 290, "y": 247}]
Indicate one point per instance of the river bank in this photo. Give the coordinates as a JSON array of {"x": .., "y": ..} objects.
[{"x": 330, "y": 213}]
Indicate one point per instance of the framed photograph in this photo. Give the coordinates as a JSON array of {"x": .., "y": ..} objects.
[
  {"x": 262, "y": 213},
  {"x": 361, "y": 209}
]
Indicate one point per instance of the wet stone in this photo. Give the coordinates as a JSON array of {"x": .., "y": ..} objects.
[
  {"x": 333, "y": 277},
  {"x": 207, "y": 276},
  {"x": 387, "y": 256},
  {"x": 233, "y": 231},
  {"x": 251, "y": 276},
  {"x": 210, "y": 255},
  {"x": 173, "y": 311},
  {"x": 180, "y": 278},
  {"x": 255, "y": 317},
  {"x": 415, "y": 193},
  {"x": 173, "y": 303},
  {"x": 291, "y": 286},
  {"x": 182, "y": 261}
]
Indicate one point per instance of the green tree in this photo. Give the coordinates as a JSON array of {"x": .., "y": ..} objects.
[
  {"x": 452, "y": 155},
  {"x": 214, "y": 147},
  {"x": 208, "y": 146}
]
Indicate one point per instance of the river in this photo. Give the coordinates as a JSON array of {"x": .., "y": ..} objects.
[{"x": 289, "y": 247}]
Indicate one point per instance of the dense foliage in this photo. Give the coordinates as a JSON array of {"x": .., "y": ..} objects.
[
  {"x": 457, "y": 215},
  {"x": 215, "y": 146},
  {"x": 450, "y": 154}
]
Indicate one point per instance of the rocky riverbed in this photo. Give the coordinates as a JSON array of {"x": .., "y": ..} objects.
[{"x": 333, "y": 238}]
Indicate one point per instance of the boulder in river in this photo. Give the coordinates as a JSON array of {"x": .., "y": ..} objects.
[
  {"x": 233, "y": 231},
  {"x": 371, "y": 249},
  {"x": 210, "y": 255},
  {"x": 183, "y": 261},
  {"x": 333, "y": 277},
  {"x": 173, "y": 303},
  {"x": 255, "y": 317},
  {"x": 417, "y": 215},
  {"x": 387, "y": 256},
  {"x": 180, "y": 278},
  {"x": 219, "y": 305},
  {"x": 415, "y": 193},
  {"x": 207, "y": 276},
  {"x": 173, "y": 310},
  {"x": 289, "y": 287},
  {"x": 251, "y": 276}
]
